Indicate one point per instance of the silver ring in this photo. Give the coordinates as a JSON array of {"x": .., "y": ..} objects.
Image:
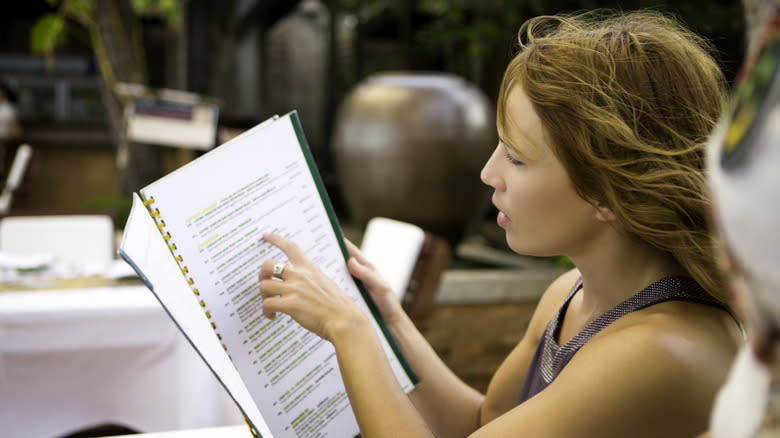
[{"x": 278, "y": 270}]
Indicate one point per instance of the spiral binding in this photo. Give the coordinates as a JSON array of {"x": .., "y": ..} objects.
[{"x": 155, "y": 213}]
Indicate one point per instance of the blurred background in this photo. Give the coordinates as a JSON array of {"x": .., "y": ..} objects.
[{"x": 62, "y": 60}]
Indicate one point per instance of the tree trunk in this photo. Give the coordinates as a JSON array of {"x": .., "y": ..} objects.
[{"x": 120, "y": 36}]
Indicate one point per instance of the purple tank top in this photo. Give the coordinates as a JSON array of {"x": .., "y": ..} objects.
[{"x": 550, "y": 358}]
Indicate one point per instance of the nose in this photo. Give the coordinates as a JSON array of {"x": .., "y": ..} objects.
[{"x": 489, "y": 174}]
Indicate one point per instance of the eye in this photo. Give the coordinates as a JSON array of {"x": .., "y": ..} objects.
[{"x": 513, "y": 160}]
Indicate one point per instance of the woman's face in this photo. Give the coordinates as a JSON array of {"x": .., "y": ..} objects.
[{"x": 538, "y": 207}]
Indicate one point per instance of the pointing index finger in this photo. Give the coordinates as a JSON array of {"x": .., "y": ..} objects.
[{"x": 288, "y": 247}]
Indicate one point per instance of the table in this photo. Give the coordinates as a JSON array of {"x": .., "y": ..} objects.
[
  {"x": 73, "y": 358},
  {"x": 210, "y": 432}
]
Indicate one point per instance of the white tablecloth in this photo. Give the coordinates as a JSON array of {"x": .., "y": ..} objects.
[
  {"x": 241, "y": 431},
  {"x": 70, "y": 359}
]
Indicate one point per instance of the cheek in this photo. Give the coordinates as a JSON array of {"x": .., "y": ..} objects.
[
  {"x": 548, "y": 217},
  {"x": 543, "y": 198}
]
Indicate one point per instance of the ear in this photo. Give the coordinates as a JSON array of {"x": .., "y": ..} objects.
[{"x": 604, "y": 213}]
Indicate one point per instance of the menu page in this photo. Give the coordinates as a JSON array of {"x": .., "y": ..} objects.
[
  {"x": 145, "y": 250},
  {"x": 213, "y": 213}
]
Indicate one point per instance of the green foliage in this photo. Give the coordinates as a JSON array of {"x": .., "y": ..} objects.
[
  {"x": 77, "y": 8},
  {"x": 119, "y": 206},
  {"x": 50, "y": 29},
  {"x": 459, "y": 31},
  {"x": 141, "y": 5},
  {"x": 47, "y": 33},
  {"x": 563, "y": 261},
  {"x": 473, "y": 28},
  {"x": 168, "y": 9},
  {"x": 171, "y": 12}
]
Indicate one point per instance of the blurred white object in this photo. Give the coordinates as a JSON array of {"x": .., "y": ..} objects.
[
  {"x": 24, "y": 262},
  {"x": 239, "y": 431},
  {"x": 169, "y": 117},
  {"x": 740, "y": 404},
  {"x": 86, "y": 241},
  {"x": 74, "y": 358},
  {"x": 119, "y": 269},
  {"x": 15, "y": 175},
  {"x": 393, "y": 247}
]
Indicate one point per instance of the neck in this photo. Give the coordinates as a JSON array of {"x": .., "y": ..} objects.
[{"x": 617, "y": 268}]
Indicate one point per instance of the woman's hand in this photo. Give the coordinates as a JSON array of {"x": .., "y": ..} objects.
[
  {"x": 306, "y": 294},
  {"x": 379, "y": 289}
]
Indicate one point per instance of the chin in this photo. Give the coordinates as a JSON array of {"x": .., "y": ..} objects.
[
  {"x": 520, "y": 247},
  {"x": 526, "y": 248}
]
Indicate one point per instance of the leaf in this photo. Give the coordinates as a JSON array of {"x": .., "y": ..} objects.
[
  {"x": 141, "y": 6},
  {"x": 171, "y": 12},
  {"x": 78, "y": 8},
  {"x": 47, "y": 33},
  {"x": 435, "y": 7},
  {"x": 168, "y": 9}
]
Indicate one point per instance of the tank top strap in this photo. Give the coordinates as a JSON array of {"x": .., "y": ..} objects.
[
  {"x": 550, "y": 358},
  {"x": 549, "y": 348},
  {"x": 665, "y": 289}
]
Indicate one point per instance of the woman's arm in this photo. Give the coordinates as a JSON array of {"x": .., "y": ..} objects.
[
  {"x": 449, "y": 406},
  {"x": 380, "y": 405},
  {"x": 452, "y": 408},
  {"x": 442, "y": 401}
]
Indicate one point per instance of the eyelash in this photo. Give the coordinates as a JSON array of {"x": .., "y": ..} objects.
[{"x": 513, "y": 160}]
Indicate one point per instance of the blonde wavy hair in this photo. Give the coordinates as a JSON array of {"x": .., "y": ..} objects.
[{"x": 628, "y": 101}]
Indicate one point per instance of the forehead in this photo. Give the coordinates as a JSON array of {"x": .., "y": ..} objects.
[{"x": 521, "y": 128}]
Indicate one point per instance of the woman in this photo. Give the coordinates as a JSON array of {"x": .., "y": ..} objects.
[{"x": 601, "y": 121}]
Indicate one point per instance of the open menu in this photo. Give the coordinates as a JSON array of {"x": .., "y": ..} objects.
[{"x": 195, "y": 237}]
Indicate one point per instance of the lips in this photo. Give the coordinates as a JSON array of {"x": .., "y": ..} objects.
[{"x": 502, "y": 219}]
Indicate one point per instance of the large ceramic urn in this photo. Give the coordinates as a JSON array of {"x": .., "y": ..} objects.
[{"x": 410, "y": 146}]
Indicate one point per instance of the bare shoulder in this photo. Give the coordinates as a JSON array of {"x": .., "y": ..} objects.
[
  {"x": 651, "y": 373},
  {"x": 696, "y": 338},
  {"x": 672, "y": 359}
]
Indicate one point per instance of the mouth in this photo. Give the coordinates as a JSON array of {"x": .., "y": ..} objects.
[{"x": 502, "y": 219}]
